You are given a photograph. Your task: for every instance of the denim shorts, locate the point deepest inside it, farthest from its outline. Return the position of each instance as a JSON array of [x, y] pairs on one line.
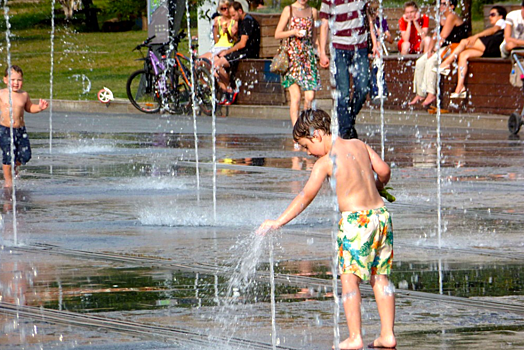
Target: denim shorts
[[22, 148]]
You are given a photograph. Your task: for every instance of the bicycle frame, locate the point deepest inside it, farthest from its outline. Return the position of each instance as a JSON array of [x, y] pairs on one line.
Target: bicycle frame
[[159, 69], [186, 74]]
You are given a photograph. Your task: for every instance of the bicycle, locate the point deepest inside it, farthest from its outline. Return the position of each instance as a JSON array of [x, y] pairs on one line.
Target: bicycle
[[165, 83]]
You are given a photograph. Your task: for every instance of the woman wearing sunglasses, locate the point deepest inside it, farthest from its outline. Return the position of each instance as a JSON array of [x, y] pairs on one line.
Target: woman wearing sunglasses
[[484, 44]]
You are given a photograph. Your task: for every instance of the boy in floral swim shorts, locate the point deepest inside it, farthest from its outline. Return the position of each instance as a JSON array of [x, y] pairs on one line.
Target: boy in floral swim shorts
[[365, 238]]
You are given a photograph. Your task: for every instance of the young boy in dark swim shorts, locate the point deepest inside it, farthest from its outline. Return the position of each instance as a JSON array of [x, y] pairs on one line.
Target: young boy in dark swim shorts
[[13, 104], [365, 239]]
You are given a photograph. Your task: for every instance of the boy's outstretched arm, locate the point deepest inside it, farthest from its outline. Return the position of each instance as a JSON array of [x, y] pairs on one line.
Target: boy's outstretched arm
[[303, 199], [380, 167], [30, 107]]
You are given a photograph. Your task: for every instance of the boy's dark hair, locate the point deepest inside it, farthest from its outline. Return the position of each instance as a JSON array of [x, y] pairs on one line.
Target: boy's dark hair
[[310, 120], [453, 3], [501, 10], [15, 68], [237, 6], [410, 4]]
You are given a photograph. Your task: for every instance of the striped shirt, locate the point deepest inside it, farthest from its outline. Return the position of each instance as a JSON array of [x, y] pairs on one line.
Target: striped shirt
[[348, 29]]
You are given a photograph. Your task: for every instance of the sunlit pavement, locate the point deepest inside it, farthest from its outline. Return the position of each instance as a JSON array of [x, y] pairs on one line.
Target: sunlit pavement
[[120, 243]]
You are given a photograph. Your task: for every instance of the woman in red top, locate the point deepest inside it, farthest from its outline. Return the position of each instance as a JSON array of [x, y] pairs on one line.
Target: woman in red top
[[414, 28]]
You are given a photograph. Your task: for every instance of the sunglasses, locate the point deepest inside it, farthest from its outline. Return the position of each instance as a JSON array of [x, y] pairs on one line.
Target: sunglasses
[[493, 14], [443, 4], [223, 8]]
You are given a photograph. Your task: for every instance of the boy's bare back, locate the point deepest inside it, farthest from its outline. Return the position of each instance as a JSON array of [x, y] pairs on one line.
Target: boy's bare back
[[355, 182]]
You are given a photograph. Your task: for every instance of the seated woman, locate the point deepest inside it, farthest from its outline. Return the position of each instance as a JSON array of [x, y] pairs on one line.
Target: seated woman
[[224, 31], [452, 30], [483, 44]]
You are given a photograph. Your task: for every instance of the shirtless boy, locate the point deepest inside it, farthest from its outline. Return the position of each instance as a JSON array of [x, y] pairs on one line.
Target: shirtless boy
[[20, 102], [365, 237]]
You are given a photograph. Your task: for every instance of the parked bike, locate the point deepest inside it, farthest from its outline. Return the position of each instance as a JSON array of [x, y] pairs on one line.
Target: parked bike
[[165, 81]]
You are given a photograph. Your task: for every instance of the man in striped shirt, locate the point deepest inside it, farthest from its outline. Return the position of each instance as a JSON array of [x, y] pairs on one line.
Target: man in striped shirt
[[346, 19]]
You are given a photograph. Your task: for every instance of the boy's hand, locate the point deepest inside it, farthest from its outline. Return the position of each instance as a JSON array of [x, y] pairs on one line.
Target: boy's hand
[[384, 193], [267, 226], [43, 104]]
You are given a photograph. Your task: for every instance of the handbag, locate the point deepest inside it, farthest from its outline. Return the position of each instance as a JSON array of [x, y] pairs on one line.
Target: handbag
[[515, 76], [280, 63], [446, 51]]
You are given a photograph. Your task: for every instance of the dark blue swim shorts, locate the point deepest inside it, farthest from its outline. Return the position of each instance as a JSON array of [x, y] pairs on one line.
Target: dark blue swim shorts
[[22, 148]]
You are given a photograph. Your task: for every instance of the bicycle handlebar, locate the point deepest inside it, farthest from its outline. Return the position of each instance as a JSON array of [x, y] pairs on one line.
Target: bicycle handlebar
[[146, 43]]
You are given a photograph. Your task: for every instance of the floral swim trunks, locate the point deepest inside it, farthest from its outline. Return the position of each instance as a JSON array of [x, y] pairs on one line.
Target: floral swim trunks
[[365, 243]]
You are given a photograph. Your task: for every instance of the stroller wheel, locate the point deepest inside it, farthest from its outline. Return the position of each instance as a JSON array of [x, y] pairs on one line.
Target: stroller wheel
[[514, 123]]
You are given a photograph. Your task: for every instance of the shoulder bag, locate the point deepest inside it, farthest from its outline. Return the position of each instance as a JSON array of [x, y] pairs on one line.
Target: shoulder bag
[[280, 63]]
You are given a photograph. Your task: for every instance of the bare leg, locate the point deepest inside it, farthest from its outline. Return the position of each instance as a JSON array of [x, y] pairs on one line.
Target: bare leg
[[351, 300], [294, 103], [8, 176], [424, 45], [385, 297], [463, 65], [223, 77], [404, 48], [309, 96], [454, 55]]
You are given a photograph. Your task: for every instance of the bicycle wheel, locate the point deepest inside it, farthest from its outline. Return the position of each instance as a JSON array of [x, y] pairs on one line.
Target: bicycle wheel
[[179, 97], [514, 123], [141, 91], [204, 90]]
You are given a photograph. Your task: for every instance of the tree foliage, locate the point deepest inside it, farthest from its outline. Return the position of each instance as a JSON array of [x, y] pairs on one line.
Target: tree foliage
[[126, 9]]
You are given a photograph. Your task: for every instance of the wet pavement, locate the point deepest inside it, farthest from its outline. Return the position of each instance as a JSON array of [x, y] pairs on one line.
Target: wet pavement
[[126, 239]]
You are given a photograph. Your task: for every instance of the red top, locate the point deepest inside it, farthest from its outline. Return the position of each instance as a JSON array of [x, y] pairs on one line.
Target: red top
[[414, 36]]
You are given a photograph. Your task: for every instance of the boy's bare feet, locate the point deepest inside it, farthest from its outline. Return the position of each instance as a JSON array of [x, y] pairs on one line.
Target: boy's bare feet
[[351, 344], [384, 343], [415, 100]]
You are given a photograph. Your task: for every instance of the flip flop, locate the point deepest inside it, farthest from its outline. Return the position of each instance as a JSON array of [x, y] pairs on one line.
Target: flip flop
[[373, 346]]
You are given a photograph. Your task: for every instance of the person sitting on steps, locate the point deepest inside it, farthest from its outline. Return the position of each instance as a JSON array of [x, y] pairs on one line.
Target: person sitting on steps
[[247, 46], [484, 44]]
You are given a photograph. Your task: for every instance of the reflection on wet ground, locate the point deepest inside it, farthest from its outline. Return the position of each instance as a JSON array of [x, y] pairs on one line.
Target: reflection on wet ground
[[113, 233]]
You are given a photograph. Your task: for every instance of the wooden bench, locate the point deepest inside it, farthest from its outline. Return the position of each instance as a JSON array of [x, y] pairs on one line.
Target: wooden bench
[[487, 82]]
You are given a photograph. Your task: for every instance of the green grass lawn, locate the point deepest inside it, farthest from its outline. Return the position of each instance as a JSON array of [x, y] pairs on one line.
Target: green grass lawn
[[80, 60], [83, 62]]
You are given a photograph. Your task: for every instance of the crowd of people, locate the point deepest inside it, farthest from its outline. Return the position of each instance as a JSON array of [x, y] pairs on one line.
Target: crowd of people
[[237, 36]]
